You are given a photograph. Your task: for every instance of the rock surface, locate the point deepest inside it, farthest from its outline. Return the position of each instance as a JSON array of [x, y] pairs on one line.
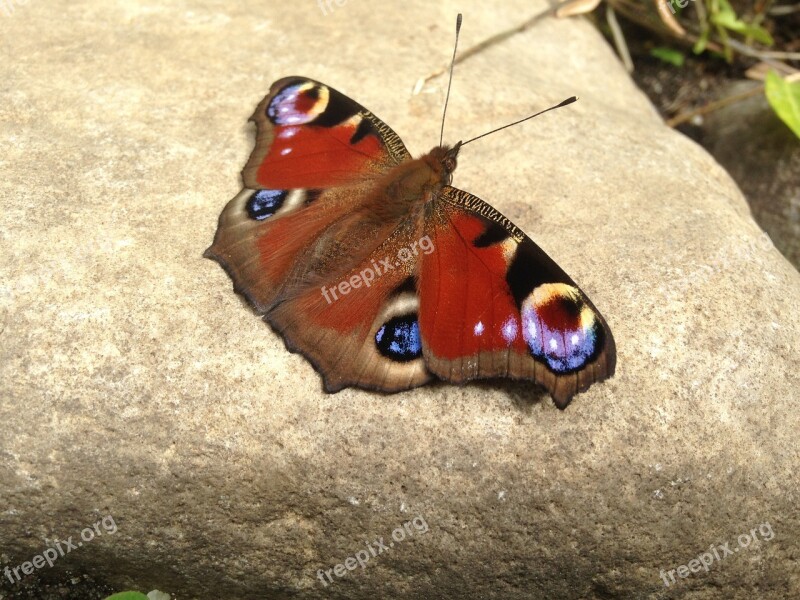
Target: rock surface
[[136, 385], [768, 172]]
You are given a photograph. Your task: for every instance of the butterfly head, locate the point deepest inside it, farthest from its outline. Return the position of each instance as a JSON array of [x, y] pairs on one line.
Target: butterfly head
[[444, 161]]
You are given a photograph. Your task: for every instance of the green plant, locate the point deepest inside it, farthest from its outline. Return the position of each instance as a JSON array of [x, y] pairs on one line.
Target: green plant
[[720, 17], [668, 55], [784, 97]]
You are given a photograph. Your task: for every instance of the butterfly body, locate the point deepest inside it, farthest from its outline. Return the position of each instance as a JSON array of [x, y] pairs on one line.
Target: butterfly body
[[383, 275]]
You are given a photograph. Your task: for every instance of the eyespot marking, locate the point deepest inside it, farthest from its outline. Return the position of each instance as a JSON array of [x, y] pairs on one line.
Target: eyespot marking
[[265, 203], [559, 327], [298, 103], [398, 339]]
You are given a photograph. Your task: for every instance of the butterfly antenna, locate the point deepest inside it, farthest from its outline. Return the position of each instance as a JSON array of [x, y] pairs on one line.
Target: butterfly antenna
[[450, 81], [559, 105]]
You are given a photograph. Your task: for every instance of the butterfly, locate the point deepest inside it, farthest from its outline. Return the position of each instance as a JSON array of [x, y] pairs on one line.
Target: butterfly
[[384, 276]]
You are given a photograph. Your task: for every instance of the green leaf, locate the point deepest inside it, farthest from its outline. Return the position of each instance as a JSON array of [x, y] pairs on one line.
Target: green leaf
[[701, 42], [754, 31], [784, 98], [724, 8], [127, 596], [759, 34], [669, 55], [726, 17]]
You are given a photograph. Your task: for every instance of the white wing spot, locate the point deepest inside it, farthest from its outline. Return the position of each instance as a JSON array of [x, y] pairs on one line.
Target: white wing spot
[[509, 329]]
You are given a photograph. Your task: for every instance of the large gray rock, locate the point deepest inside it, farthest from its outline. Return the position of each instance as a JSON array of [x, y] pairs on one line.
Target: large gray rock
[[768, 172], [136, 385]]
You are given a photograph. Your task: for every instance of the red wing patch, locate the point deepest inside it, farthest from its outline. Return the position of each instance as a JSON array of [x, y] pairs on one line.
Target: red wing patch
[[493, 304], [467, 304], [311, 136]]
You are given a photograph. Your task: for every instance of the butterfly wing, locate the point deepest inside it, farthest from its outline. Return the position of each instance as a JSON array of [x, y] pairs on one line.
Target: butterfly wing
[[317, 153], [361, 328], [309, 135], [313, 224], [285, 238], [493, 304]]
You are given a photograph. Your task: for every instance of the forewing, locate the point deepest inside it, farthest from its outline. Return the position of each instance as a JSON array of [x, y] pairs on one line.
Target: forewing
[[317, 156]]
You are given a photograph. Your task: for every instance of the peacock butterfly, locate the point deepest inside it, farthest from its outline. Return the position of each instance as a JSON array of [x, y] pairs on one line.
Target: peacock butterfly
[[382, 274]]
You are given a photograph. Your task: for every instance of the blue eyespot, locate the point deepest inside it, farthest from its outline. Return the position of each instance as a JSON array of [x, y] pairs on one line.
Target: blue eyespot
[[399, 339], [560, 328], [265, 203], [298, 103]]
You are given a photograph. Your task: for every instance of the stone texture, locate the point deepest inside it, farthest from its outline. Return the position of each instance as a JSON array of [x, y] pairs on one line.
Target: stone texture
[[136, 384], [768, 172]]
